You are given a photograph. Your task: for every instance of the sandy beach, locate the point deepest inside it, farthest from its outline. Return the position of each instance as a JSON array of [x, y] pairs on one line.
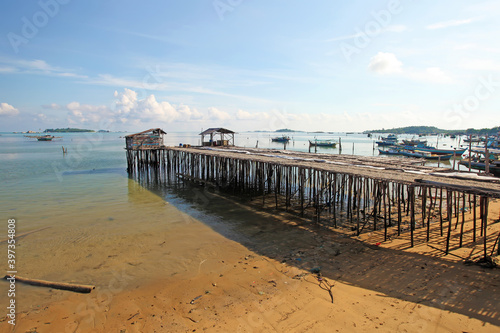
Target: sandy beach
[[282, 274]]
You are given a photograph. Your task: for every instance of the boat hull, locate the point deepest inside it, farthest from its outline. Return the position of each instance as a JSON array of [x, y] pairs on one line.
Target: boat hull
[[457, 152], [493, 168], [323, 144]]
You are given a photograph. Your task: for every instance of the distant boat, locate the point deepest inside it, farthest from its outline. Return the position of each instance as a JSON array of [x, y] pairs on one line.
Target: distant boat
[[283, 138], [43, 137], [323, 143]]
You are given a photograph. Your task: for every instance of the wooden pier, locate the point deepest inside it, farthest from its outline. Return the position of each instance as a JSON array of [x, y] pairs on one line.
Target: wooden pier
[[391, 195]]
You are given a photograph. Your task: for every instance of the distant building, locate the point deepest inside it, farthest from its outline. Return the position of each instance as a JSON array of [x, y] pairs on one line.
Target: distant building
[[217, 137], [150, 139]]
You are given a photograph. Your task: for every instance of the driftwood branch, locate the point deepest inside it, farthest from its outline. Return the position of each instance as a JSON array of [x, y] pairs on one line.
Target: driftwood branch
[[78, 288]]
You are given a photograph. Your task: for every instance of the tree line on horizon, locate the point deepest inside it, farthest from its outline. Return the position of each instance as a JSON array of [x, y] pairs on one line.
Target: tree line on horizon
[[66, 130], [435, 130]]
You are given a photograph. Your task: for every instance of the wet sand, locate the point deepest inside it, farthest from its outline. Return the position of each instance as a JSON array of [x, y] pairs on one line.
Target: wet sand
[[150, 276]]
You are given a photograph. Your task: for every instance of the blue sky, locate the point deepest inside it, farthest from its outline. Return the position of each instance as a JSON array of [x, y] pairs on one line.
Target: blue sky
[[249, 65]]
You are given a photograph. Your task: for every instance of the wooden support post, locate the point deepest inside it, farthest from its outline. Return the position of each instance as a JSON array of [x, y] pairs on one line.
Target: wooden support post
[[399, 194], [334, 194], [485, 223], [429, 215], [384, 194], [301, 190], [424, 204], [375, 203], [441, 211], [412, 212], [463, 220], [474, 226], [359, 191], [449, 212]]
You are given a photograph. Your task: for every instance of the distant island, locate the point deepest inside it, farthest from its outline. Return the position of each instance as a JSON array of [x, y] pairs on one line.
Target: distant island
[[428, 130], [67, 130], [286, 130]]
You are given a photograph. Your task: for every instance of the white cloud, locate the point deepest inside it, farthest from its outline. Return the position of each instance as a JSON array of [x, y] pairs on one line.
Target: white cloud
[[187, 113], [8, 110], [216, 114], [128, 109], [388, 64], [385, 63], [37, 66], [446, 24]]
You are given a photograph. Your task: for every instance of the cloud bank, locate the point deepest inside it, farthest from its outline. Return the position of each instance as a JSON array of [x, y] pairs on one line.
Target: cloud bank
[[8, 110]]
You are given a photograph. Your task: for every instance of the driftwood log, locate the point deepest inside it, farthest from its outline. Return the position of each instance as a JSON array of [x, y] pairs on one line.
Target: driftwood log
[[78, 288]]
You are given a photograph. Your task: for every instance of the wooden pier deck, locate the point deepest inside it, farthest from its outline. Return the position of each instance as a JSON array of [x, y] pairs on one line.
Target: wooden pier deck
[[381, 168], [355, 192]]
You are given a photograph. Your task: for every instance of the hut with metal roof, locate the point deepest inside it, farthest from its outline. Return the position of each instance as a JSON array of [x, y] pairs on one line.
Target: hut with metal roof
[[149, 139], [217, 137]]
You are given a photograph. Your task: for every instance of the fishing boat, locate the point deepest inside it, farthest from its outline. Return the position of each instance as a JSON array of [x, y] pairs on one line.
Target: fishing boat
[[43, 137], [414, 142], [427, 155], [323, 143], [416, 154], [391, 151], [437, 151], [390, 140], [283, 138]]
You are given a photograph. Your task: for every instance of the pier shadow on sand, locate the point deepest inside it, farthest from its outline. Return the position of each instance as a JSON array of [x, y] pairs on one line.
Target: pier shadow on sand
[[390, 271]]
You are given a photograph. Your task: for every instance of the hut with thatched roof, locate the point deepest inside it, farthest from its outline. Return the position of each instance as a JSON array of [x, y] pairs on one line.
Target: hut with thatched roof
[[217, 137]]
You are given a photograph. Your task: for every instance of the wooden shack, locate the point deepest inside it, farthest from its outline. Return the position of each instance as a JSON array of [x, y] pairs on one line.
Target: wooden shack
[[149, 139], [217, 137]]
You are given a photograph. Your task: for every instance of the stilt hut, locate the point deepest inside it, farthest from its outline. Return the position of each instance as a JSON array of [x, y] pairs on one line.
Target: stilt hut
[[217, 137], [149, 139]]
